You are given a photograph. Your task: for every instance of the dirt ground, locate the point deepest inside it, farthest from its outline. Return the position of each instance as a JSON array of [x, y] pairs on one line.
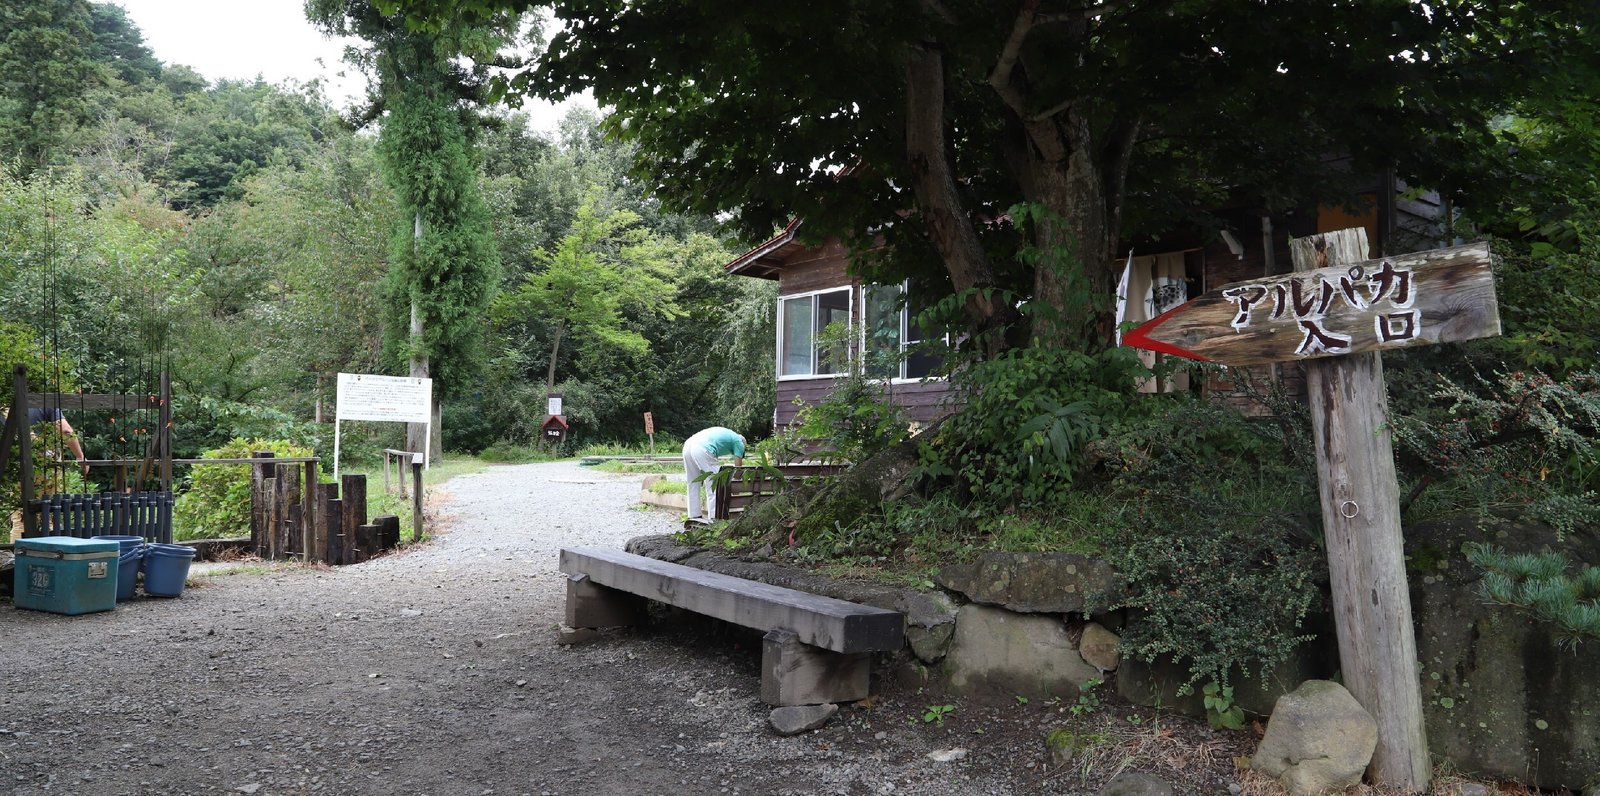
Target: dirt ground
[[439, 670]]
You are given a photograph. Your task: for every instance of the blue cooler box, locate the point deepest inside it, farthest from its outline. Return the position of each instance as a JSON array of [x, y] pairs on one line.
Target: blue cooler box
[[64, 575]]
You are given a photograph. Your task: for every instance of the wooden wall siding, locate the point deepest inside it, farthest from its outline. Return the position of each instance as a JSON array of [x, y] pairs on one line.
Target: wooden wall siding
[[814, 269], [924, 402]]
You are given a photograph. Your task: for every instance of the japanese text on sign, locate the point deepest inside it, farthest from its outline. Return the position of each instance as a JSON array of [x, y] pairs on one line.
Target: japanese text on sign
[[1387, 289], [396, 398]]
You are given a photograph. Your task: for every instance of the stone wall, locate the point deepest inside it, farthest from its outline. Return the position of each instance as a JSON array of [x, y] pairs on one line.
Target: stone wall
[[1502, 698]]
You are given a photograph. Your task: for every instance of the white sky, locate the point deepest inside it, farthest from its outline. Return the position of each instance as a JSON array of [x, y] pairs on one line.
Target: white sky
[[243, 39]]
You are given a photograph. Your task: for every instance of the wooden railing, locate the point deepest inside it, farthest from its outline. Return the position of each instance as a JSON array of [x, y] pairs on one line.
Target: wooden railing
[[753, 484]]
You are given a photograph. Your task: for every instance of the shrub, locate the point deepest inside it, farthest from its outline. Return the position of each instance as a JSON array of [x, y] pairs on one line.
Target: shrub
[[1029, 419], [217, 504], [1213, 526]]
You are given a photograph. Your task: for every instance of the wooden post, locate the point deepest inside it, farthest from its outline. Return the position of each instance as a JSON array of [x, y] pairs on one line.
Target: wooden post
[[269, 519], [385, 471], [1361, 525], [416, 500], [388, 534], [310, 543], [260, 496], [288, 496], [353, 511], [328, 545]]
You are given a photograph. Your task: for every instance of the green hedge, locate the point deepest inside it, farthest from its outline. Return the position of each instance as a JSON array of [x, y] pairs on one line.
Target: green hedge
[[217, 504]]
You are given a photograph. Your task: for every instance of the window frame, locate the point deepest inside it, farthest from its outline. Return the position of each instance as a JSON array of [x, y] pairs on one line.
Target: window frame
[[904, 311], [850, 310]]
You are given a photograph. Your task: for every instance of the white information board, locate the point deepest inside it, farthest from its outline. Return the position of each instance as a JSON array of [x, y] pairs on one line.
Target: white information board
[[363, 396], [552, 406], [398, 399]]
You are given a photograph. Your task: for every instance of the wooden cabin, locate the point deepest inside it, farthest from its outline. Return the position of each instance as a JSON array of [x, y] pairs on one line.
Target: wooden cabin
[[816, 290]]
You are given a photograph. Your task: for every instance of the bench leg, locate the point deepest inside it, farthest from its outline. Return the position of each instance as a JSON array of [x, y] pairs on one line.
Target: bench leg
[[793, 673], [591, 605]]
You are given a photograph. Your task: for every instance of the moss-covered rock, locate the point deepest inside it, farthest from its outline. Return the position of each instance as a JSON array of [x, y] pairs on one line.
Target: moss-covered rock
[[1501, 696]]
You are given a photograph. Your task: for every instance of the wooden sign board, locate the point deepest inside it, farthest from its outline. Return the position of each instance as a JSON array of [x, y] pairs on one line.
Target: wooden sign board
[[1430, 297], [649, 424]]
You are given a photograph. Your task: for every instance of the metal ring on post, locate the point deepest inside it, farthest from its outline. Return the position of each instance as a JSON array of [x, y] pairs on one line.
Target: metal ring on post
[[1349, 509]]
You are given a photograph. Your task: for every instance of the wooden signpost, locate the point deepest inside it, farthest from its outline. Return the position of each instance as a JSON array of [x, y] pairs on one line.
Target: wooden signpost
[[650, 431], [1439, 296], [1339, 311]]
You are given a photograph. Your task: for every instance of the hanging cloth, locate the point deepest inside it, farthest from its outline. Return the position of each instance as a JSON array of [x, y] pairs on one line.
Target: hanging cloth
[[1154, 284]]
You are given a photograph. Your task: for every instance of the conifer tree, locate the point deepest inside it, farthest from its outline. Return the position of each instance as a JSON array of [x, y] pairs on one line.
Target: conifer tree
[[444, 267]]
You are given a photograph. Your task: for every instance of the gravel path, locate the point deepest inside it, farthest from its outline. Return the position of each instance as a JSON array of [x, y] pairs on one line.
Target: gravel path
[[438, 671]]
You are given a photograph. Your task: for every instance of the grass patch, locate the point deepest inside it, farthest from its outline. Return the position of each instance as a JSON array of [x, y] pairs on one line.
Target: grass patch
[[241, 569], [665, 446], [668, 486], [639, 468]]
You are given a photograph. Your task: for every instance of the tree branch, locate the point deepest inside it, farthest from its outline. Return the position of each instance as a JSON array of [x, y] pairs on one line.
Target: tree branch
[[1001, 78]]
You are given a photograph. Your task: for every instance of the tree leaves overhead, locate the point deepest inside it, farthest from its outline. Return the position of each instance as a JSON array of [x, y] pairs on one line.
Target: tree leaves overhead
[[1116, 116]]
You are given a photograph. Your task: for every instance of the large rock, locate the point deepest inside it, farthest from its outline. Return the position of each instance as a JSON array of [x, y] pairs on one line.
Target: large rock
[[1029, 582], [930, 624], [1000, 654], [1501, 697], [1100, 647], [1133, 783], [1318, 739], [797, 719]]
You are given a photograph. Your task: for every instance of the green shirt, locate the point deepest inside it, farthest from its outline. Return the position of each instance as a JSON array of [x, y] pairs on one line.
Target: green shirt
[[720, 441]]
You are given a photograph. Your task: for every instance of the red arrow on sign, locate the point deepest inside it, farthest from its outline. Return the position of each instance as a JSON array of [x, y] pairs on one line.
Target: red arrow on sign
[[1430, 297]]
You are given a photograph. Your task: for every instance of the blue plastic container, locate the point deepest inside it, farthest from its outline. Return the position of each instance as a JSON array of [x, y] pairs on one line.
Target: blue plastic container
[[128, 571], [125, 541], [64, 575], [166, 568]]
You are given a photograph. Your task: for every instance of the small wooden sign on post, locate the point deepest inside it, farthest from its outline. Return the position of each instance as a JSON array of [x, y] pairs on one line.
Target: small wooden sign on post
[[650, 431], [1340, 311]]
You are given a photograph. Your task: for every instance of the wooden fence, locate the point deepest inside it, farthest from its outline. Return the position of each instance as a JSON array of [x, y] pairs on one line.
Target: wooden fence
[[322, 524], [751, 485]]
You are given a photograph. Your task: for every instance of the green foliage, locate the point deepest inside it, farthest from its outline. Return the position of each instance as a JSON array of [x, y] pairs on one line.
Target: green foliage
[[1221, 711], [215, 423], [46, 73], [1541, 585], [854, 421], [217, 504], [1029, 417], [936, 714], [1213, 528], [466, 429], [504, 453], [1548, 305], [1088, 701], [1519, 439]]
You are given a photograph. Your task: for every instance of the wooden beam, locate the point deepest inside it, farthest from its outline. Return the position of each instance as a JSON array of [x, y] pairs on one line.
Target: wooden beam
[[1440, 296], [816, 620], [1361, 526]]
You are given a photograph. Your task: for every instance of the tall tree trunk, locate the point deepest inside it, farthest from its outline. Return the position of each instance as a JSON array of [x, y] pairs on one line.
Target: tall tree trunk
[[1075, 168], [933, 182], [555, 351], [417, 433]]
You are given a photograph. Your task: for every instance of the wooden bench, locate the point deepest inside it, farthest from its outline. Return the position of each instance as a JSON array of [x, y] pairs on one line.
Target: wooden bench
[[816, 649]]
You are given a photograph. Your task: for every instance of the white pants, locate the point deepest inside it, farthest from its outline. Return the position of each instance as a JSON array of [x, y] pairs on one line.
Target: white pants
[[698, 460]]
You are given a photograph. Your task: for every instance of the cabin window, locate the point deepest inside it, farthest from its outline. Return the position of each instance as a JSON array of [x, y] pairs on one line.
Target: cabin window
[[892, 337], [805, 347]]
